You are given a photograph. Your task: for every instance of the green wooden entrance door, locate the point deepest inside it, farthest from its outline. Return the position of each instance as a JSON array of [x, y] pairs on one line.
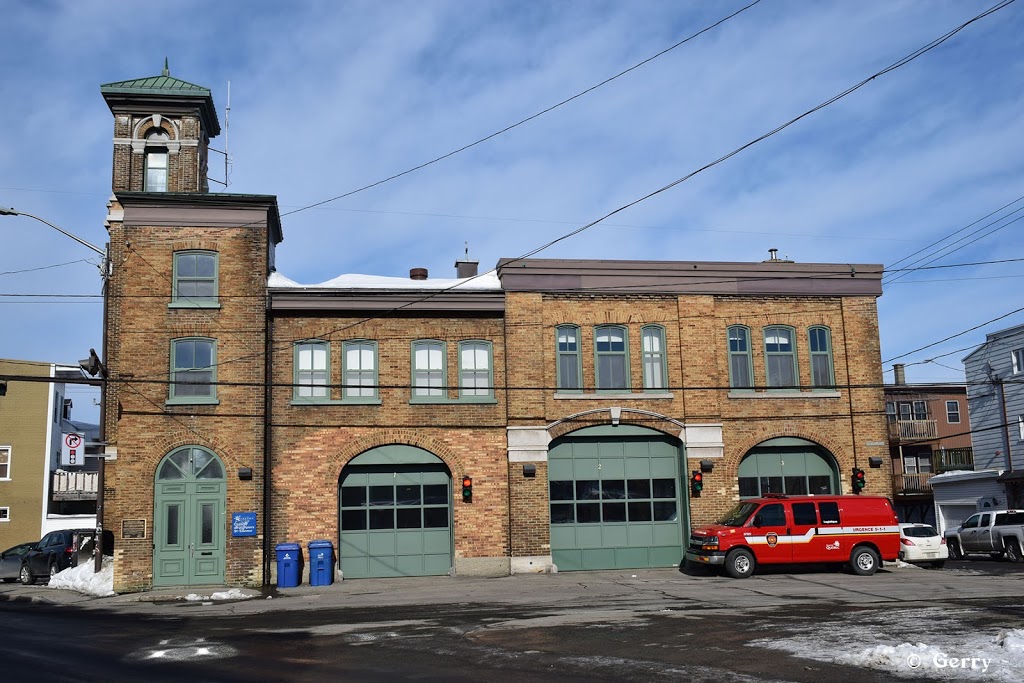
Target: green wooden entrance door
[[616, 499], [188, 532], [395, 514]]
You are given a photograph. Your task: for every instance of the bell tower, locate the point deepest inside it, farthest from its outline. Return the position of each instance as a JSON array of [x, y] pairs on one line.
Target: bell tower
[[162, 131]]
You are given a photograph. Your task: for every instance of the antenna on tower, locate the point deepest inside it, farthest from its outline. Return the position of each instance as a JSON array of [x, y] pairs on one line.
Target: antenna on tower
[[227, 152], [227, 155]]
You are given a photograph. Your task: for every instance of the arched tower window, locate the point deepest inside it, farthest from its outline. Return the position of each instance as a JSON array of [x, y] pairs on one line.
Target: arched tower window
[[156, 161]]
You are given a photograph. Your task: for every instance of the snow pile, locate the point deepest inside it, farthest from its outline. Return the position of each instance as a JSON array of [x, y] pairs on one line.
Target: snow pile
[[998, 658], [232, 594], [946, 645], [84, 579]]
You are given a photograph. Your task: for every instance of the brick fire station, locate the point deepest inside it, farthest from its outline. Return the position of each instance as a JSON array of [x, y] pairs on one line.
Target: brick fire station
[[547, 415]]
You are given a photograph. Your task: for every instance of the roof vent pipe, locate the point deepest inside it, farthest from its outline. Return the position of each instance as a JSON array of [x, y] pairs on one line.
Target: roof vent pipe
[[417, 273], [773, 254]]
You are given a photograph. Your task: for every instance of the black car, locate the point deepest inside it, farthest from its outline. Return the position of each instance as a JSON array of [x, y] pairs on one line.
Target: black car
[[10, 561], [57, 551]]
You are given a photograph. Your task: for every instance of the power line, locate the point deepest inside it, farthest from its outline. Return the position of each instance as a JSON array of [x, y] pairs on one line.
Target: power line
[[528, 118], [55, 265], [953, 336]]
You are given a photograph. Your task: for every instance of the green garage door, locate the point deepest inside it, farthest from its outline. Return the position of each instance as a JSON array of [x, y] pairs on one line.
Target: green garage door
[[395, 519], [616, 499]]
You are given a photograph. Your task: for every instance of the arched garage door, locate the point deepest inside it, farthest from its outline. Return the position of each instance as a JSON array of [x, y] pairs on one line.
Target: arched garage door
[[788, 465], [616, 499], [395, 512]]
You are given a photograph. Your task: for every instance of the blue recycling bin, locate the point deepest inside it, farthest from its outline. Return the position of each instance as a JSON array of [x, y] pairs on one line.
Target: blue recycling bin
[[289, 564], [321, 563]]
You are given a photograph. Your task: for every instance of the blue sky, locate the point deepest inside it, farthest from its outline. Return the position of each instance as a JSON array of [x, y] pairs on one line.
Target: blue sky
[[327, 97]]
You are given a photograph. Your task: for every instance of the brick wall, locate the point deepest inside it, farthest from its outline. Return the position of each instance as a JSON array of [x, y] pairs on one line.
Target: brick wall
[[313, 442], [141, 426]]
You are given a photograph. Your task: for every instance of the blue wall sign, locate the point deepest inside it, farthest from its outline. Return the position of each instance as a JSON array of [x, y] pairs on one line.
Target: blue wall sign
[[243, 523]]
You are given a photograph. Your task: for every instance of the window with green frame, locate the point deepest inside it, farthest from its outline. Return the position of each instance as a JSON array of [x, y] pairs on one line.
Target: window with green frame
[[611, 358], [567, 341], [780, 356], [652, 341], [359, 370], [312, 373], [193, 370], [741, 375], [476, 378], [820, 345], [194, 281], [429, 368]]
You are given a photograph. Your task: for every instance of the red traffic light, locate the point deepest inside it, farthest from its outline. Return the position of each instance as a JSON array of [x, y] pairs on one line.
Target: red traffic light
[[467, 481]]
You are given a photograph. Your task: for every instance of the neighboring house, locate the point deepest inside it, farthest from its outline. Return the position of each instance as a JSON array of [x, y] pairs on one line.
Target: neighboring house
[[929, 433], [546, 415], [34, 486], [995, 381]]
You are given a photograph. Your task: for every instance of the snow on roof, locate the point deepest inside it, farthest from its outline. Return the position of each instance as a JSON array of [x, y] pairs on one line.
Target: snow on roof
[[954, 475], [487, 281]]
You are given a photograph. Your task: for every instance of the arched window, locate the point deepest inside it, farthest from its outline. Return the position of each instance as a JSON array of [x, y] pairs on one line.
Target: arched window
[[780, 357], [156, 161], [611, 358], [788, 465], [567, 339], [741, 375], [819, 341], [190, 462], [652, 340]]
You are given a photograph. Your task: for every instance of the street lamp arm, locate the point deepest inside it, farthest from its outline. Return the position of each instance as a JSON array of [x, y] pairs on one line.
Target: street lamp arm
[[12, 212]]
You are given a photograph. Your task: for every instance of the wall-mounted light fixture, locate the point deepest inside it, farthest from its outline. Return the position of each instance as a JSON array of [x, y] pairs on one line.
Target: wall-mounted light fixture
[[529, 469], [245, 473], [707, 465], [875, 461]]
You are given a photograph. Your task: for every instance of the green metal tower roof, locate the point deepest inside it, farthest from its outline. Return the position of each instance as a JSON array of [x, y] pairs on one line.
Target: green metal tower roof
[[164, 84], [165, 89]]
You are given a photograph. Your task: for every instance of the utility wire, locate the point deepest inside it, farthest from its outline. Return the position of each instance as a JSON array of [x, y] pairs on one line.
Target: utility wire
[[528, 118]]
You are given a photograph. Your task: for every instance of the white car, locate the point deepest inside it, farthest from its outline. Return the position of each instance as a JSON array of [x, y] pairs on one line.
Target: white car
[[922, 544]]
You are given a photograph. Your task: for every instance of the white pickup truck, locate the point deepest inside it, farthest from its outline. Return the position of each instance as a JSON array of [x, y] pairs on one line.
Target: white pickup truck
[[995, 532]]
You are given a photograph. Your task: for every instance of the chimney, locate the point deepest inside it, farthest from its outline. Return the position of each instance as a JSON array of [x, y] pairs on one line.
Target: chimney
[[900, 376], [417, 273], [464, 269]]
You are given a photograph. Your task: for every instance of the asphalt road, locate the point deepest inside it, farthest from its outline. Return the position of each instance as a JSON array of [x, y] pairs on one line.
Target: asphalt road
[[593, 626]]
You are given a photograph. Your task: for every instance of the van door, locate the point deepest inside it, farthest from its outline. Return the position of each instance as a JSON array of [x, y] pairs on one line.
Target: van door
[[768, 534], [805, 542]]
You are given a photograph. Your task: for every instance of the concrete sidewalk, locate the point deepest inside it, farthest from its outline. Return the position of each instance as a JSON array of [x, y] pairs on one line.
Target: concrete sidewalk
[[625, 589]]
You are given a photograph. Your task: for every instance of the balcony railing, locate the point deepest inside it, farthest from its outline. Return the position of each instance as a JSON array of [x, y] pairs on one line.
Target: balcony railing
[[913, 483], [913, 430], [73, 485], [952, 459]]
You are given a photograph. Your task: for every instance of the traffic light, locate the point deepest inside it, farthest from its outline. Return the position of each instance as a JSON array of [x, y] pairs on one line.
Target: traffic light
[[467, 489], [858, 480], [696, 483]]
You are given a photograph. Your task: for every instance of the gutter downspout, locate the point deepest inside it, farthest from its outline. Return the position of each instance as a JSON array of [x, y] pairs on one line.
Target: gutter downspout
[[268, 328]]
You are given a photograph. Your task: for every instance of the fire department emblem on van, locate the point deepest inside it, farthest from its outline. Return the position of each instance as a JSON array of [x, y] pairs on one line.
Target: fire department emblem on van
[[772, 539]]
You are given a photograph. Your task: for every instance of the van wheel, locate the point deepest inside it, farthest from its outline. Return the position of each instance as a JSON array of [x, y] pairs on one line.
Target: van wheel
[[1013, 551], [864, 561], [954, 551], [26, 576], [739, 564]]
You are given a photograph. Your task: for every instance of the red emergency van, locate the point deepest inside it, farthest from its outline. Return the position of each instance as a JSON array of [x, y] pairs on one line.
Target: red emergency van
[[780, 529]]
